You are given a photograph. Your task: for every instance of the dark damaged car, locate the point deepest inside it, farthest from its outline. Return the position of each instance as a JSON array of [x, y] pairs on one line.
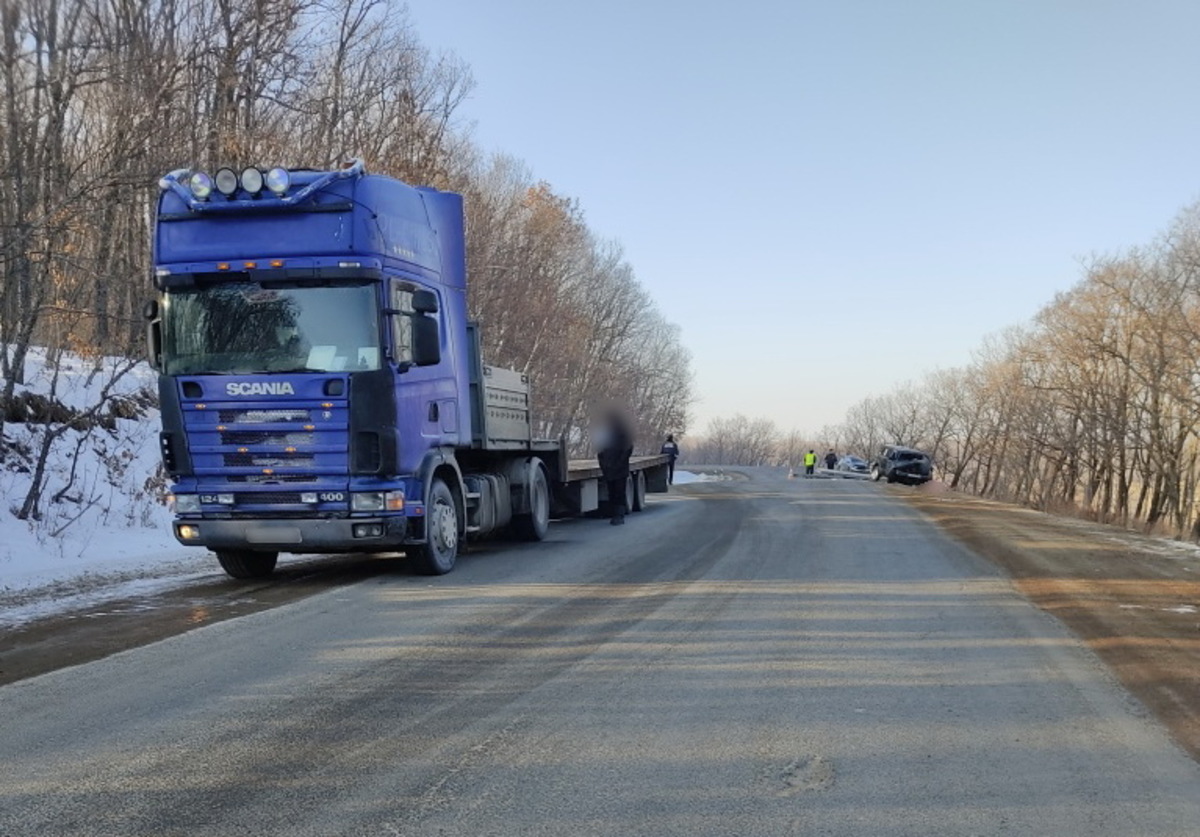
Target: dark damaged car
[[900, 464]]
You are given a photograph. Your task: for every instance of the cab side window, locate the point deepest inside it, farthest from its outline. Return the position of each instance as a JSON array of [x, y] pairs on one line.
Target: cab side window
[[402, 326]]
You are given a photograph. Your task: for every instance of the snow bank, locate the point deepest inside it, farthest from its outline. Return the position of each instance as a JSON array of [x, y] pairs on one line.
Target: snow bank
[[685, 477], [103, 517]]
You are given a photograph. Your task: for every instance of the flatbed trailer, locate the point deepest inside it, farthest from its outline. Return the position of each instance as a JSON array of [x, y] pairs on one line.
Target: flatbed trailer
[[583, 490]]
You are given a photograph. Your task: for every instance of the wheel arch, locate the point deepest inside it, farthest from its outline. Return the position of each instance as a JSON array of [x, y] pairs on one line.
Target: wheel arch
[[441, 463]]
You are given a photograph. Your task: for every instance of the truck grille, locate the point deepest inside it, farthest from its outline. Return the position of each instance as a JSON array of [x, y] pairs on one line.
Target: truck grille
[[267, 498], [274, 479], [265, 443], [298, 415], [268, 460], [263, 437]]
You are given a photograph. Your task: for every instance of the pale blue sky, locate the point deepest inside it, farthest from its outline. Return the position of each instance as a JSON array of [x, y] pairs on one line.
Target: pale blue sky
[[832, 198]]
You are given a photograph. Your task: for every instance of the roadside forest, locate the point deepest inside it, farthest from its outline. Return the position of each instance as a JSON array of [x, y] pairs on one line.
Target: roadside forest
[[1093, 408], [102, 97]]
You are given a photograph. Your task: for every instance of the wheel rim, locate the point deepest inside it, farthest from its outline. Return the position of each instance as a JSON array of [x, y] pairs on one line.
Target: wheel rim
[[445, 528]]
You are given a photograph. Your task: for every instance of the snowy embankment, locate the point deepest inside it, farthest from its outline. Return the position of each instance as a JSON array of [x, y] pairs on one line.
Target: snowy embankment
[[102, 528], [685, 477]]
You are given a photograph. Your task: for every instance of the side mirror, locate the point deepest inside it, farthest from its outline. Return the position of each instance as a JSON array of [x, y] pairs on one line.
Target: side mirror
[[154, 344], [425, 302], [426, 341], [154, 338]]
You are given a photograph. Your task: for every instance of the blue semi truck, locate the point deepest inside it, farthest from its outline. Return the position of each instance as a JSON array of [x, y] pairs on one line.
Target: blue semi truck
[[322, 388]]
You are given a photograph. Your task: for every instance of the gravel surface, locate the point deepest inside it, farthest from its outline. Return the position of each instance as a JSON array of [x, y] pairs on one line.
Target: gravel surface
[[751, 657]]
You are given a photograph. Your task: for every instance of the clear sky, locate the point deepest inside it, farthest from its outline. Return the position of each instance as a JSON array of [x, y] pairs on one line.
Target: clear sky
[[832, 198]]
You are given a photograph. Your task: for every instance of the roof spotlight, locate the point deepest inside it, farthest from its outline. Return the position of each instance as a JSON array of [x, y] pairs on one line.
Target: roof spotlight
[[227, 182], [252, 180], [200, 184], [278, 180]]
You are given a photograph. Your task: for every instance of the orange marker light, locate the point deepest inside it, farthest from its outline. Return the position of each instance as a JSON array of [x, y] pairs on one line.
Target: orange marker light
[[243, 450], [222, 265], [221, 427], [289, 450], [310, 427], [201, 406], [276, 262], [250, 265], [327, 405], [267, 471]]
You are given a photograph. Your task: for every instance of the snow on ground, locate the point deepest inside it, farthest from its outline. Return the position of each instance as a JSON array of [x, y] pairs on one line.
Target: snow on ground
[[103, 524], [685, 477]]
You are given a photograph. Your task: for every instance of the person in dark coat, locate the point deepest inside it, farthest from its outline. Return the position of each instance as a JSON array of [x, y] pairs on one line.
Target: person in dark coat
[[830, 460], [615, 449], [670, 449]]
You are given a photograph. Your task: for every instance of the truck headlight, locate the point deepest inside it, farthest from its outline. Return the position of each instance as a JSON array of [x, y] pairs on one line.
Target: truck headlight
[[367, 501], [186, 504], [225, 499]]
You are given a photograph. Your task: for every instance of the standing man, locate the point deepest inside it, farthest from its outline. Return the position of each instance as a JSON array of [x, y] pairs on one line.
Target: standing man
[[830, 460], [670, 449], [613, 456], [810, 462]]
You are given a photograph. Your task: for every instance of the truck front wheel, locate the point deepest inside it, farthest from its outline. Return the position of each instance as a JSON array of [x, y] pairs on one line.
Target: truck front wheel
[[243, 563], [437, 555]]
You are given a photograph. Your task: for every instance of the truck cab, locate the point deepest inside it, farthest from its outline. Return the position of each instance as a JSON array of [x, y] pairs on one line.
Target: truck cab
[[312, 341]]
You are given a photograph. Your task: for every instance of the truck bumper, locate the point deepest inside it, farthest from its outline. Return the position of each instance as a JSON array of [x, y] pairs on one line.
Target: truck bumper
[[276, 535]]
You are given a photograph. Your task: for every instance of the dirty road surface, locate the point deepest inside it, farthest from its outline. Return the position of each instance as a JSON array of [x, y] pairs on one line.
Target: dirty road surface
[[752, 657], [1134, 600]]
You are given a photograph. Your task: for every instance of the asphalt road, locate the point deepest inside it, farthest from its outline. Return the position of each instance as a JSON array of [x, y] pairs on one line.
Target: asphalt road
[[760, 657]]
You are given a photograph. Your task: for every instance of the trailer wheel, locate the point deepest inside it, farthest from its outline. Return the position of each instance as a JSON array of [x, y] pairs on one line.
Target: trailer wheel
[[437, 555], [639, 491], [245, 563], [533, 526]]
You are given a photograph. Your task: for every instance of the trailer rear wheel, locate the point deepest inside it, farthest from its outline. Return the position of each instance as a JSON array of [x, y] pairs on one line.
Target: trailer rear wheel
[[244, 563], [437, 555], [533, 526], [639, 491]]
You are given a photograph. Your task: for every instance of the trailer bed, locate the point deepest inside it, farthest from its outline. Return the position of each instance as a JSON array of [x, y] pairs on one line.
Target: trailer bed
[[586, 469]]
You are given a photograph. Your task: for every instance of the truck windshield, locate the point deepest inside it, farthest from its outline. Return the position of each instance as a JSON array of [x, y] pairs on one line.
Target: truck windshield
[[245, 328]]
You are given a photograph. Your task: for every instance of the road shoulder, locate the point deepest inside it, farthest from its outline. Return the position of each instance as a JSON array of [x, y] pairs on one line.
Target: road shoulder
[[1134, 600]]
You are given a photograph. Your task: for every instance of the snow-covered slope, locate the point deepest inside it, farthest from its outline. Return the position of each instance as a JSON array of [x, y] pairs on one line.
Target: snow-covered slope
[[103, 521]]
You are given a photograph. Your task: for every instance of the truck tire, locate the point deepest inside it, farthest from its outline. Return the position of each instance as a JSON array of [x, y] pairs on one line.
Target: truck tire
[[639, 491], [437, 555], [533, 526], [875, 474], [245, 563]]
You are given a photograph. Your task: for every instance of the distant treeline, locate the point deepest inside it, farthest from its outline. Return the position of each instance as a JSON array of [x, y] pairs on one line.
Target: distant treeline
[[1092, 409], [102, 97]]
